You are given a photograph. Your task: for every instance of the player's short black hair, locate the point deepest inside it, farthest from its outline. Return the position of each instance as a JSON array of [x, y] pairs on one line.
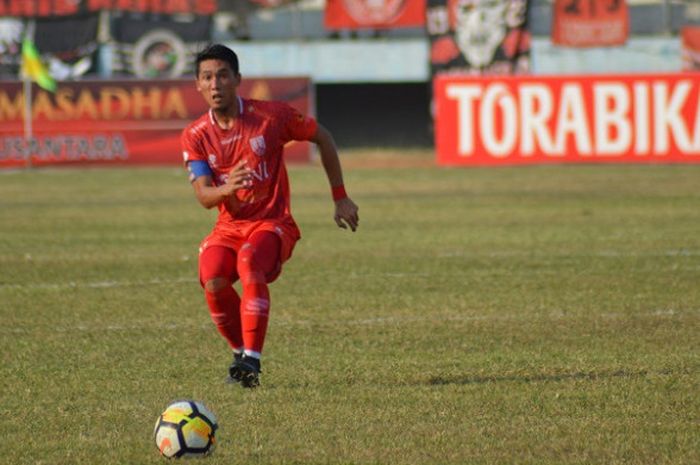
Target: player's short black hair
[[217, 52]]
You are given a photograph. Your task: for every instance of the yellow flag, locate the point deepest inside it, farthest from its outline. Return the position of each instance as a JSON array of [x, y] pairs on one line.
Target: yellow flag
[[34, 68]]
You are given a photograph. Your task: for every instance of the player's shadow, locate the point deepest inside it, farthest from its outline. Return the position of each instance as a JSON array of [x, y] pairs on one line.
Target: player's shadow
[[538, 378]]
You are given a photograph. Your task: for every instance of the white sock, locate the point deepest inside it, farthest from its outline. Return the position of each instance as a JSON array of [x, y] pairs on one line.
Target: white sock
[[252, 353]]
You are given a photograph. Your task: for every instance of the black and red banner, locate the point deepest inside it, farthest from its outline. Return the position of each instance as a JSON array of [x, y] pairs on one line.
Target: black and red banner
[[590, 23], [53, 8], [68, 44], [376, 14], [157, 46], [151, 38], [478, 36], [122, 122]]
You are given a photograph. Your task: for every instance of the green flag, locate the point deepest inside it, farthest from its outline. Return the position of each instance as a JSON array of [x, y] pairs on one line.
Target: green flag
[[33, 68]]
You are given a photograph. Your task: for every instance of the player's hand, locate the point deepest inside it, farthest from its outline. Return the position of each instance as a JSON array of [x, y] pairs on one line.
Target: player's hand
[[240, 177], [346, 214]]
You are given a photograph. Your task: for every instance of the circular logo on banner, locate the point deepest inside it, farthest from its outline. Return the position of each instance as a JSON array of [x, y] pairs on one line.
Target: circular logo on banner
[[374, 11], [160, 53]]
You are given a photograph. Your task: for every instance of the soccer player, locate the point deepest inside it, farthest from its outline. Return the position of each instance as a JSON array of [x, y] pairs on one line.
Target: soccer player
[[234, 156]]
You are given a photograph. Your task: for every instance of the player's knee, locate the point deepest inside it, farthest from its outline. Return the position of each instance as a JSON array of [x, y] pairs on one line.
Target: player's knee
[[247, 260], [215, 285], [249, 268]]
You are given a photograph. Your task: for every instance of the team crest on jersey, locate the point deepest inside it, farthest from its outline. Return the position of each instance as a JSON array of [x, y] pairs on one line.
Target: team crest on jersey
[[257, 143], [212, 159]]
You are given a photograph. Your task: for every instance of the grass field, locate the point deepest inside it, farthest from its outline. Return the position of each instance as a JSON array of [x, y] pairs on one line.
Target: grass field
[[534, 315]]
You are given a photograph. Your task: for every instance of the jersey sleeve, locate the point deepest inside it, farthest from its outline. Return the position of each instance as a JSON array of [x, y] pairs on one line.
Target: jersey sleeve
[[193, 156], [191, 146], [298, 126]]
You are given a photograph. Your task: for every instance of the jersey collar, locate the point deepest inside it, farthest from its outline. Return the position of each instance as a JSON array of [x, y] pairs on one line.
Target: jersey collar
[[212, 119]]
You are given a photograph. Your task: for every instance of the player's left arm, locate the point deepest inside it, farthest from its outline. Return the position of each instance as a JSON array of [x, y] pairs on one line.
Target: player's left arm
[[346, 212]]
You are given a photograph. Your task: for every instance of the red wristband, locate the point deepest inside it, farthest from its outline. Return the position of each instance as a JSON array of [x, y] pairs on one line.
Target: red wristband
[[338, 193]]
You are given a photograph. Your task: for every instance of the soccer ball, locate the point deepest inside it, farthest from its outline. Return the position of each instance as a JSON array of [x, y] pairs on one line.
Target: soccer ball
[[186, 429]]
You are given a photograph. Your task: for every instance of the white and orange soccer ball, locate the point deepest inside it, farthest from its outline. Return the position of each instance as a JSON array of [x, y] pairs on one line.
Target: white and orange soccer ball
[[186, 429]]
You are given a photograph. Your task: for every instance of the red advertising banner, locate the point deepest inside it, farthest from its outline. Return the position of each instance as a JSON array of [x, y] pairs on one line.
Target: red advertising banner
[[590, 23], [579, 119], [34, 8], [381, 14], [122, 122], [690, 36]]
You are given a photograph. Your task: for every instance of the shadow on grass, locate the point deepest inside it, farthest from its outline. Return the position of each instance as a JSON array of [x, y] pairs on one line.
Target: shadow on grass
[[511, 378], [535, 378]]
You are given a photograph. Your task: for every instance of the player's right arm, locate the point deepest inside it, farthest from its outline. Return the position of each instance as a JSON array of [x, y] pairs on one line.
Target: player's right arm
[[210, 195]]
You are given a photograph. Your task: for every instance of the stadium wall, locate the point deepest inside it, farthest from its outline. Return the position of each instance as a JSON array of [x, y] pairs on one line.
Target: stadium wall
[[406, 60]]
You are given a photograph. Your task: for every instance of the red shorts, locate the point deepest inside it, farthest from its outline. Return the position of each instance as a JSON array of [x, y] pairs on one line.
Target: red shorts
[[234, 236]]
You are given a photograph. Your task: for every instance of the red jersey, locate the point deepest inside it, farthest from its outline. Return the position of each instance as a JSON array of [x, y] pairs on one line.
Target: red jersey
[[257, 136]]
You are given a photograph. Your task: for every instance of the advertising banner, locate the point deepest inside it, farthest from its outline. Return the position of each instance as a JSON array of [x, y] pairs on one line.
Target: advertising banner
[[122, 122], [478, 37], [379, 14], [590, 23], [690, 37], [577, 119], [53, 8]]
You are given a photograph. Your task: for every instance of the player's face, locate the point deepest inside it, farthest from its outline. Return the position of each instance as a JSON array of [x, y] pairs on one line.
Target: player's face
[[217, 83]]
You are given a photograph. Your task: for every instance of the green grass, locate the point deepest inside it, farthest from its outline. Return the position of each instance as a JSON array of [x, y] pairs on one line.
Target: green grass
[[531, 315]]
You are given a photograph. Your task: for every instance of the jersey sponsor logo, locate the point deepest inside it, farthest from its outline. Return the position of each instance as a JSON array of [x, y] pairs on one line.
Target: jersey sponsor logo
[[257, 143], [230, 139], [260, 172]]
